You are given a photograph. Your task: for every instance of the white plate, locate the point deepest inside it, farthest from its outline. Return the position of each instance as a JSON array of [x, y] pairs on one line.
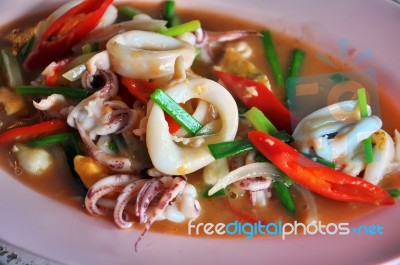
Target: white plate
[[34, 223]]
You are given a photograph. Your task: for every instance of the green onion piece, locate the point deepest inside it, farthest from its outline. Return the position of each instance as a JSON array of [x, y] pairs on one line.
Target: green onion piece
[[112, 145], [283, 136], [297, 62], [363, 105], [129, 12], [186, 120], [47, 90], [321, 160], [76, 140], [260, 157], [230, 148], [259, 121], [219, 193], [242, 110], [72, 150], [169, 13], [174, 21], [287, 181], [197, 51], [75, 73], [269, 49], [210, 128], [11, 68], [182, 28], [27, 48], [294, 70], [90, 47], [284, 195], [168, 9], [51, 139], [395, 193]]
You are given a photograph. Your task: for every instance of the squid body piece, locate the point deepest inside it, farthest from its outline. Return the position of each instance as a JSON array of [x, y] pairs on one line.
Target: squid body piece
[[147, 55], [171, 158]]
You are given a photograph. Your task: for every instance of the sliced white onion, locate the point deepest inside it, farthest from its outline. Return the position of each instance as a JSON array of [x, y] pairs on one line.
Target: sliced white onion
[[259, 169], [215, 171]]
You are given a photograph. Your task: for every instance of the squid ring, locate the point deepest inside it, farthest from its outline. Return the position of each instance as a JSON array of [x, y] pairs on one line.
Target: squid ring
[[147, 55], [170, 158]]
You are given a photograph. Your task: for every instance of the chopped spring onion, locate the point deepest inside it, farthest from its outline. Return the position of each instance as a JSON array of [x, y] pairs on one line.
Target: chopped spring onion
[[283, 136], [11, 68], [182, 28], [230, 148], [294, 70], [75, 73], [129, 11], [242, 110], [284, 195], [395, 193], [112, 145], [169, 13], [51, 139], [321, 160], [297, 62], [221, 192], [71, 151], [27, 48], [260, 157], [178, 113], [90, 47], [269, 49], [47, 90], [259, 121], [363, 105]]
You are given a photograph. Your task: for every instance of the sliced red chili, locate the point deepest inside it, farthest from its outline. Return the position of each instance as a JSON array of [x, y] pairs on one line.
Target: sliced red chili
[[254, 94], [65, 32], [316, 177]]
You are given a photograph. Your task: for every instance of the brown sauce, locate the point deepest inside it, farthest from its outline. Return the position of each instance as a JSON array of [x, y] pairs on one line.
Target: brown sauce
[[59, 185]]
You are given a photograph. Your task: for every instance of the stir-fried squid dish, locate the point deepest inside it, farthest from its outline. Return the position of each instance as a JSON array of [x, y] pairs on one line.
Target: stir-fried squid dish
[[162, 119]]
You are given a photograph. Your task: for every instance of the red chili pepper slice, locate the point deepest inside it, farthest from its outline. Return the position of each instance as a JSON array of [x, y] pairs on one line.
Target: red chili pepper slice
[[65, 32], [51, 79], [26, 133], [140, 89], [255, 94], [316, 177]]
